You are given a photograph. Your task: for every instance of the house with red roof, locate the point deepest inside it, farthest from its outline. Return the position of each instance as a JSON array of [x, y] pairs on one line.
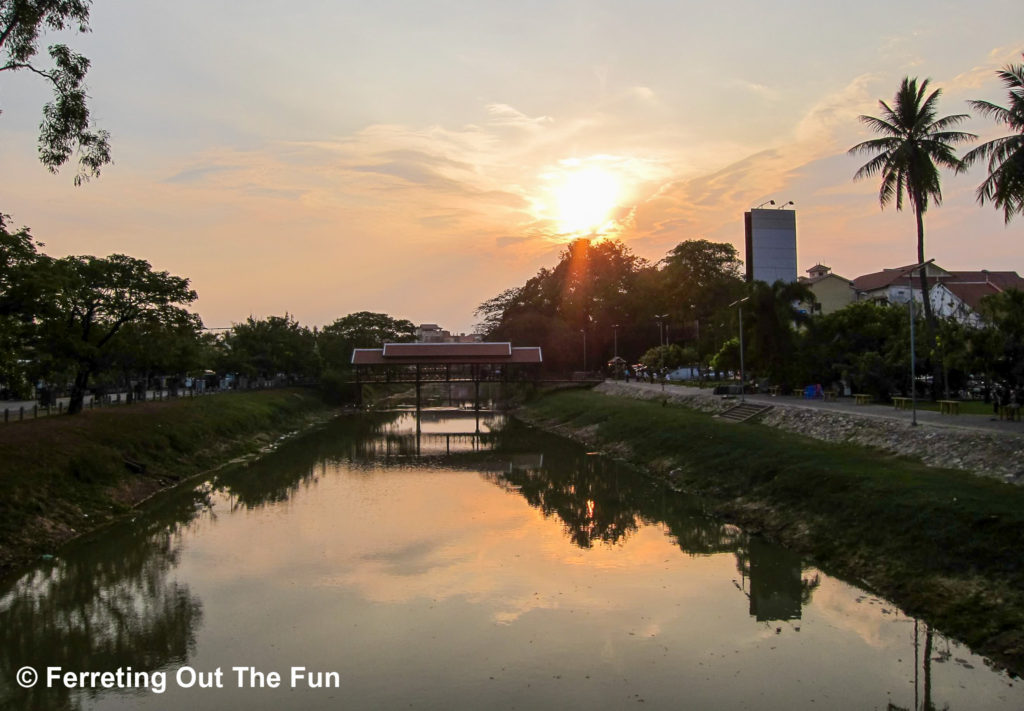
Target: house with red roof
[[955, 294]]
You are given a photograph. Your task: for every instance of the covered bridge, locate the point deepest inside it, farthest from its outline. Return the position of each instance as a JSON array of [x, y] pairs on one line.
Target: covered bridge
[[446, 363]]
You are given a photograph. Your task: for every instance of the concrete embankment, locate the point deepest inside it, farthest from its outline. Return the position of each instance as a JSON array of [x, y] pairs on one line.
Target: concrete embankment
[[969, 443], [941, 543]]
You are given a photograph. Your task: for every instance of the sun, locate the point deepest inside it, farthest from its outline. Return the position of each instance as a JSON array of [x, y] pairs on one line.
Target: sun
[[584, 199]]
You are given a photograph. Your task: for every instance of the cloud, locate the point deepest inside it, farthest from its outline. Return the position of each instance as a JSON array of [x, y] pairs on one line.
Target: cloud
[[198, 174], [505, 115], [983, 75]]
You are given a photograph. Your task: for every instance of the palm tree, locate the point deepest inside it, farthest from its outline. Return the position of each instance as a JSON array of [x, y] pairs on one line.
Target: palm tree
[[912, 142], [1005, 183]]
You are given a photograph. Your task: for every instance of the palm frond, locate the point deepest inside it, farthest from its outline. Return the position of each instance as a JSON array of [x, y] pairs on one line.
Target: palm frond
[[1004, 185], [913, 142], [990, 110]]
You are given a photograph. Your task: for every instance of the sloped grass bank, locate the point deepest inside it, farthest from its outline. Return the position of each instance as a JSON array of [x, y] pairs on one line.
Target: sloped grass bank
[[942, 544], [63, 476]]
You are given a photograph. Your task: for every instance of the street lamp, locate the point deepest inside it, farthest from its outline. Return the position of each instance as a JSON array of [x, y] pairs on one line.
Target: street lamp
[[584, 332], [615, 330], [661, 327], [913, 367], [743, 380]]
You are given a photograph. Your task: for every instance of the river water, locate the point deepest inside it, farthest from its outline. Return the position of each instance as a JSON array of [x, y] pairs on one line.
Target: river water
[[457, 561]]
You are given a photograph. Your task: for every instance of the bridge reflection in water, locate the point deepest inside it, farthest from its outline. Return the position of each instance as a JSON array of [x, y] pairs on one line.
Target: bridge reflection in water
[[600, 500], [395, 525]]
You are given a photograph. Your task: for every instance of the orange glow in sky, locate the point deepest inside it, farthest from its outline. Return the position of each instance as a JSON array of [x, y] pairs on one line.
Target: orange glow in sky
[[585, 200], [417, 159]]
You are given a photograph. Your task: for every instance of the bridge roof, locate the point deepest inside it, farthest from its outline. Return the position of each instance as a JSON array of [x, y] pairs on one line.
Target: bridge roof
[[446, 354]]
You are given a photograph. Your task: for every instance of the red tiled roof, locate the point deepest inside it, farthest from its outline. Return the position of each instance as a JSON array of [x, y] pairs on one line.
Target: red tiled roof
[[446, 350], [879, 280], [888, 277], [442, 353], [1002, 280], [972, 294]]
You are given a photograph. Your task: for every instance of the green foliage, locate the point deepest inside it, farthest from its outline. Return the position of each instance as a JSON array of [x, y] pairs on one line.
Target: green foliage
[[66, 128], [1004, 186], [92, 299], [999, 347], [770, 319], [863, 345], [913, 141], [360, 330], [20, 302], [268, 347], [728, 357], [614, 297], [670, 356]]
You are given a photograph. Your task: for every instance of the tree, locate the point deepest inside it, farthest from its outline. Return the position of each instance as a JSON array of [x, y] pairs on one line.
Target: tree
[[93, 299], [864, 345], [913, 141], [1004, 186], [272, 346], [66, 128], [363, 329], [597, 288], [20, 300], [699, 279], [771, 314], [659, 357], [1000, 344]]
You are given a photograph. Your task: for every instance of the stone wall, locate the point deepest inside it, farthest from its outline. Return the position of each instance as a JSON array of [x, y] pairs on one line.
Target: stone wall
[[997, 454]]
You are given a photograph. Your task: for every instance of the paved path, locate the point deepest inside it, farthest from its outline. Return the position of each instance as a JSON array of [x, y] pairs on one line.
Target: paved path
[[983, 423], [13, 410]]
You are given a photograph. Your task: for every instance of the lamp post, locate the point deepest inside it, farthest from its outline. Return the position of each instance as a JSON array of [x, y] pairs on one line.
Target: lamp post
[[584, 332], [913, 365], [743, 379], [615, 331], [661, 327]]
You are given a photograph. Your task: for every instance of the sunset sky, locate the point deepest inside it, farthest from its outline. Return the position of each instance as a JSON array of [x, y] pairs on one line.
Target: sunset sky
[[323, 156]]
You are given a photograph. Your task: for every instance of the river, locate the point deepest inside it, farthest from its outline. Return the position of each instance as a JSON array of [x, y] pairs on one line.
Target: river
[[457, 561]]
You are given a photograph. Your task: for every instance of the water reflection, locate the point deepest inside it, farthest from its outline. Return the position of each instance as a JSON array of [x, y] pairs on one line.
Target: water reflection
[[109, 602], [386, 541]]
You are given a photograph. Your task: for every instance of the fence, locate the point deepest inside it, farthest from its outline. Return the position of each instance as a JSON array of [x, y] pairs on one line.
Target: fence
[[33, 411]]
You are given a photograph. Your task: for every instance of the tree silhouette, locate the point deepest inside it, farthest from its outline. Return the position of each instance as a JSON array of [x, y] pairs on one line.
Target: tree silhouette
[[913, 145], [1004, 186]]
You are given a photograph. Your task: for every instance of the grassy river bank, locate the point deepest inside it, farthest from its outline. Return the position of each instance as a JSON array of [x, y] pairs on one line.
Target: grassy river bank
[[61, 477], [943, 544]]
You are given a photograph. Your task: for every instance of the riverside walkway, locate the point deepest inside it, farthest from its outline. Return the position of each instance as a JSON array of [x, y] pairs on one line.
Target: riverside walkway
[[981, 423]]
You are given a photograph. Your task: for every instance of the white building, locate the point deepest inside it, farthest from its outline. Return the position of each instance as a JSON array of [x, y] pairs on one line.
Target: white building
[[771, 245], [952, 294]]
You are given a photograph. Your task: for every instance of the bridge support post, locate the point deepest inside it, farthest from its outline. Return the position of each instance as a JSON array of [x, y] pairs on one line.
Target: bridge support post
[[476, 388], [417, 393]]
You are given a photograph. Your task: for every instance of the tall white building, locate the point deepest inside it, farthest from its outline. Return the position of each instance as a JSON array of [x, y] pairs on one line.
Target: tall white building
[[771, 245]]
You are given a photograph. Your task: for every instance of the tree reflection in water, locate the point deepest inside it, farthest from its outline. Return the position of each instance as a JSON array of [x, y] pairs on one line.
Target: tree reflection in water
[[109, 603], [600, 500]]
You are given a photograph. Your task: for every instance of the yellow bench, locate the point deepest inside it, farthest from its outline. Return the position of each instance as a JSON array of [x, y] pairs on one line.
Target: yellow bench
[[862, 398], [1009, 412], [949, 407], [900, 403]]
